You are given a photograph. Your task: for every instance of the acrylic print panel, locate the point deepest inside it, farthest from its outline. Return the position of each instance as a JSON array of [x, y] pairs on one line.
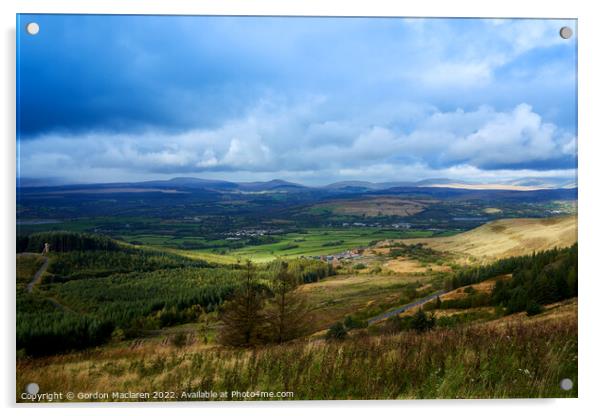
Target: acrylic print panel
[[287, 208]]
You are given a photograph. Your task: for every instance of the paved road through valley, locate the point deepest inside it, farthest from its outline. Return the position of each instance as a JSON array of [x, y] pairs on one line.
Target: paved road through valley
[[404, 308]]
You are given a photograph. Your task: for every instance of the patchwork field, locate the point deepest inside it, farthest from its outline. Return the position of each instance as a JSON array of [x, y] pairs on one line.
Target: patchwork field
[[377, 207], [316, 242]]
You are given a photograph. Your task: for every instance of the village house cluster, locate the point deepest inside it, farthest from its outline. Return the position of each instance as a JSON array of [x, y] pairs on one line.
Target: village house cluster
[[352, 254], [399, 225], [251, 232]]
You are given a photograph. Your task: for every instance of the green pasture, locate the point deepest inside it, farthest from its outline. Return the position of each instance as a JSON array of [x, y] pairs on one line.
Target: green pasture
[[320, 241]]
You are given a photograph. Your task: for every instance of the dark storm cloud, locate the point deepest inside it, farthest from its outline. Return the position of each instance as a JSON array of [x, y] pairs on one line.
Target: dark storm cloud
[[274, 97]]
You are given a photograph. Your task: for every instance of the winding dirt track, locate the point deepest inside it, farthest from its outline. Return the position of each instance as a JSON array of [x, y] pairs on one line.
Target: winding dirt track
[[38, 276]]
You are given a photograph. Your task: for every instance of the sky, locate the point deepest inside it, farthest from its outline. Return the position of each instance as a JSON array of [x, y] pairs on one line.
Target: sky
[[310, 100]]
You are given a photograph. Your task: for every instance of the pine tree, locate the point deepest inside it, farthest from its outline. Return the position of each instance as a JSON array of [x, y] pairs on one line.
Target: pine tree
[[286, 313], [242, 317]]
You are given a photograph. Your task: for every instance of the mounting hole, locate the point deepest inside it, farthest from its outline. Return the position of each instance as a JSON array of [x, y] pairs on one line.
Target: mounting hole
[[566, 32], [566, 384], [32, 388], [32, 28]]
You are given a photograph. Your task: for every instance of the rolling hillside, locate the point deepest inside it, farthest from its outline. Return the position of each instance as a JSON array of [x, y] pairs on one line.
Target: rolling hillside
[[508, 237]]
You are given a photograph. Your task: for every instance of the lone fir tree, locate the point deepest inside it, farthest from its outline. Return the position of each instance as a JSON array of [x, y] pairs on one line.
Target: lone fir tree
[[286, 312], [242, 317]]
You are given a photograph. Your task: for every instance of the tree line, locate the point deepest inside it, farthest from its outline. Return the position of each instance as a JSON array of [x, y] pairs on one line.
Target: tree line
[[63, 241], [548, 277], [129, 303], [91, 264], [112, 289], [510, 265], [538, 279], [131, 291]]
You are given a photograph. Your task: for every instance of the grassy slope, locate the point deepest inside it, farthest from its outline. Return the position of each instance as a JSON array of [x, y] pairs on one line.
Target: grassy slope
[[498, 359], [508, 237], [27, 265], [195, 254], [301, 365], [370, 294]]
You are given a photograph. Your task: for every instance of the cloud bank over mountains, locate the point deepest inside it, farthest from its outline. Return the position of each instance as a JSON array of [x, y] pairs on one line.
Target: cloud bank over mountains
[[309, 100]]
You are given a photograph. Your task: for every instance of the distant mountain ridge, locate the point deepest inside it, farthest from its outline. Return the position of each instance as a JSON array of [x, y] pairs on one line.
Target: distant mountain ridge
[[279, 185]]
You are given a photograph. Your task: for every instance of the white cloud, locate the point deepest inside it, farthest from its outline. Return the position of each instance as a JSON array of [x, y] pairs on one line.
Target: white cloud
[[510, 138], [280, 141], [447, 56]]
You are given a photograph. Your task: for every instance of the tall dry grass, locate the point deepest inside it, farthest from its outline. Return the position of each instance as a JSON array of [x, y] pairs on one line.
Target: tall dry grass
[[488, 361]]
